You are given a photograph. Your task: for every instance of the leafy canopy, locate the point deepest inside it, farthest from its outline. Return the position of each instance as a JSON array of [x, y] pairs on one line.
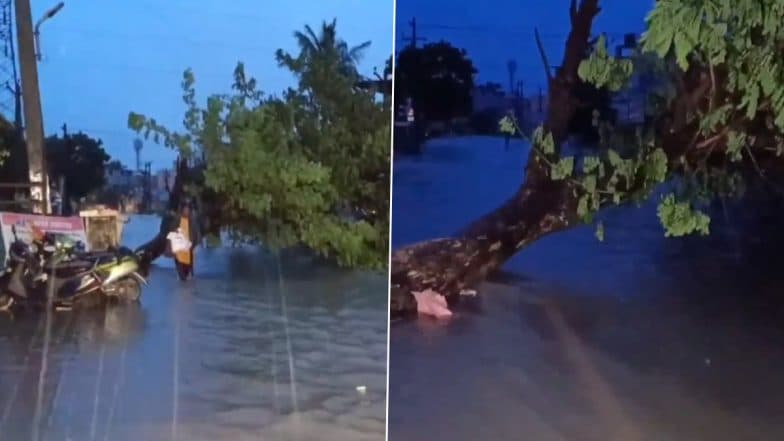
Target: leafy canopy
[[736, 45], [309, 167], [438, 77], [7, 140], [80, 159]]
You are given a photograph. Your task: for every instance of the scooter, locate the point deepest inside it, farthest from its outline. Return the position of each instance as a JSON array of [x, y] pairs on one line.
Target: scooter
[[51, 267]]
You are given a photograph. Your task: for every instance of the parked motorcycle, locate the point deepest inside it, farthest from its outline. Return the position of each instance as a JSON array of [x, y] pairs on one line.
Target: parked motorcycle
[[57, 267]]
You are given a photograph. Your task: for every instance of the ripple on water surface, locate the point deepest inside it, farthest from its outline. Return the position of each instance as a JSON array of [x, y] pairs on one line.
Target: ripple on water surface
[[215, 358]]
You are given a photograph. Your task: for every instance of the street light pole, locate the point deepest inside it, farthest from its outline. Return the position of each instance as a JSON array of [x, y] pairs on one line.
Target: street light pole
[[31, 99], [37, 32]]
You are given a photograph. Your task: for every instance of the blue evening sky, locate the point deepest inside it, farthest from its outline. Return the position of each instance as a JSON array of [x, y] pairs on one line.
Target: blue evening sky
[[102, 59], [494, 31]]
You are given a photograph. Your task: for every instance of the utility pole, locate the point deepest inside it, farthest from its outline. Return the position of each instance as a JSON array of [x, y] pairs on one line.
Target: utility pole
[[412, 41], [64, 206], [541, 99], [31, 98], [413, 33]]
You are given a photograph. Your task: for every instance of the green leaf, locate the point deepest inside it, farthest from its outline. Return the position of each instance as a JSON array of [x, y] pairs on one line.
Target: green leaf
[[712, 120], [736, 141], [548, 144], [589, 183], [591, 163], [614, 158], [751, 100], [680, 219], [585, 71], [656, 168], [582, 206], [507, 126], [663, 41], [562, 169], [683, 48]]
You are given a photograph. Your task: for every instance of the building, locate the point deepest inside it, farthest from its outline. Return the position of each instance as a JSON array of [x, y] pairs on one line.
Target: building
[[489, 98], [118, 176]]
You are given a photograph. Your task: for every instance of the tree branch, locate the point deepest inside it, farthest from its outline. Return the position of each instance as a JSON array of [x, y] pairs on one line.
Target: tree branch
[[573, 12], [547, 69]]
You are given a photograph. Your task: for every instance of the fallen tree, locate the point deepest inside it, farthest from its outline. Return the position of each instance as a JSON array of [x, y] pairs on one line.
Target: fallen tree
[[306, 168], [721, 108]]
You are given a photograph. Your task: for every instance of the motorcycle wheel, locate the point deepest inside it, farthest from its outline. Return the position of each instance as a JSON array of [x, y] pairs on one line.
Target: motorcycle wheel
[[127, 290]]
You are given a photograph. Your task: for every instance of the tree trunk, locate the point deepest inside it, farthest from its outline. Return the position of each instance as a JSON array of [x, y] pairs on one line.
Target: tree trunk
[[155, 247], [450, 266], [541, 206]]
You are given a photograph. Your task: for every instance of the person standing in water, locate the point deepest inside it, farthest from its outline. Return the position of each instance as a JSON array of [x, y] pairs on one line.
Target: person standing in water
[[187, 225], [508, 136]]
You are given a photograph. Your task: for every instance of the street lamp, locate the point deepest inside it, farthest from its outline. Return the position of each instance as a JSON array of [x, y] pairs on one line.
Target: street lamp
[[47, 15]]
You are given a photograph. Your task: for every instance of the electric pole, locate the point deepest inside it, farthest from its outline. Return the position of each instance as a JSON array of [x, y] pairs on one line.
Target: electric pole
[[413, 33], [412, 41], [31, 99]]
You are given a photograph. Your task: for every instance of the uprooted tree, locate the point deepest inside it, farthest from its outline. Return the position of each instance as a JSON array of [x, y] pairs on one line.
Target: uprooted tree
[[720, 112], [307, 168]]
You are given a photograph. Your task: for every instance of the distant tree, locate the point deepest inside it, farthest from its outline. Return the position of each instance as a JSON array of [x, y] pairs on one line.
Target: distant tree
[[492, 87], [80, 159], [115, 166], [388, 67], [8, 138], [438, 77], [327, 47], [310, 167], [13, 158]]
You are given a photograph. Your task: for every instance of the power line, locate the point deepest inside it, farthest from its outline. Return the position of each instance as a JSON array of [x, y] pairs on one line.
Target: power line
[[504, 30], [163, 38], [230, 15], [489, 32], [125, 67]]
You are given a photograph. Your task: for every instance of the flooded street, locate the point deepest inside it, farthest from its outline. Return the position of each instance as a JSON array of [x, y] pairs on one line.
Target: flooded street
[[636, 338], [252, 348]]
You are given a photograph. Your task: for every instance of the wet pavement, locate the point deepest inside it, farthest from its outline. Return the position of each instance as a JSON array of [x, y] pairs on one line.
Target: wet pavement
[[247, 350], [636, 338]]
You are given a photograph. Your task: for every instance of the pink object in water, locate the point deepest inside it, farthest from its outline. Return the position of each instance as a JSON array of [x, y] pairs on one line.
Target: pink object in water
[[432, 303]]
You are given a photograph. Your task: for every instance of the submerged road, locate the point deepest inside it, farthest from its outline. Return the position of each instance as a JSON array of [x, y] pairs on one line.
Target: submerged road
[[636, 338], [243, 351]]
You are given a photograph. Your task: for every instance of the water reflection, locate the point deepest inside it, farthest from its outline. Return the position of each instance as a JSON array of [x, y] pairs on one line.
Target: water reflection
[[639, 337], [214, 358]]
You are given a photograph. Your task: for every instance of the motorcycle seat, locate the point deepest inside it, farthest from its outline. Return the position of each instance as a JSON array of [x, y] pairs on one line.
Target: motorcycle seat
[[72, 268]]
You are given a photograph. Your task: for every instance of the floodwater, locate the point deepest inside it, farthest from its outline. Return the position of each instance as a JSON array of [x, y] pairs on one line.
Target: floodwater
[[636, 338], [245, 351]]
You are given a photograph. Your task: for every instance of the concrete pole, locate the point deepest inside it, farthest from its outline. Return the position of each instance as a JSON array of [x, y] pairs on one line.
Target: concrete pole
[[31, 100]]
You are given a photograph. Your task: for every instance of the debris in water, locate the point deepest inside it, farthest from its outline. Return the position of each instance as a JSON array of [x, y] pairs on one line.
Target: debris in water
[[362, 390], [432, 303]]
